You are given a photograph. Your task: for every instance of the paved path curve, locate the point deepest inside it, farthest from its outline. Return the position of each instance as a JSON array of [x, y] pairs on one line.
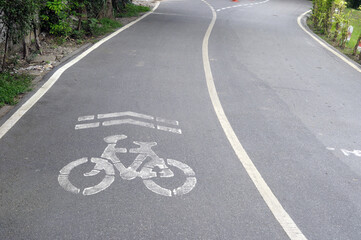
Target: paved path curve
[[143, 95]]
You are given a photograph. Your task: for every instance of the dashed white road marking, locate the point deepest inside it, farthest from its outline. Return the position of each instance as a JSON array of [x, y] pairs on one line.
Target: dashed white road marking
[[126, 114], [122, 114], [270, 199], [242, 5], [355, 152], [347, 153], [169, 129], [87, 125], [128, 121], [86, 118], [163, 120], [323, 44], [54, 78]]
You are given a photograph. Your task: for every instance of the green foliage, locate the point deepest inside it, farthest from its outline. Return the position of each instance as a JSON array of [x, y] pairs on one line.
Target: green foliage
[[11, 86], [60, 40], [60, 7], [330, 15], [103, 26], [322, 14], [58, 17], [16, 17], [332, 22], [353, 3], [94, 7], [78, 34], [341, 22], [355, 21], [63, 19], [132, 10]]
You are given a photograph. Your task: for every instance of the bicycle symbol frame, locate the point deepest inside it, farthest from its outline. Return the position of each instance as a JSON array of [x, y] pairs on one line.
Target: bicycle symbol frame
[[109, 161]]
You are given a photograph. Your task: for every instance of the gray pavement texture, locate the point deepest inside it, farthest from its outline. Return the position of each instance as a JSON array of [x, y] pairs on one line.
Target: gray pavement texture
[[287, 98]]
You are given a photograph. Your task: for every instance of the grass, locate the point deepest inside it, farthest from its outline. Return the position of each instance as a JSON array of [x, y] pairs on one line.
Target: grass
[[132, 10], [356, 23], [11, 85], [104, 26]]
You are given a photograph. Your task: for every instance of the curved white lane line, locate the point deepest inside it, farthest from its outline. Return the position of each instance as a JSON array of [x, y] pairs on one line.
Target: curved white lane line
[[54, 78], [323, 44], [271, 200]]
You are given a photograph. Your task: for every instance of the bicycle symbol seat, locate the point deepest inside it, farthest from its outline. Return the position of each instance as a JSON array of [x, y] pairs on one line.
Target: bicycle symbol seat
[[109, 161]]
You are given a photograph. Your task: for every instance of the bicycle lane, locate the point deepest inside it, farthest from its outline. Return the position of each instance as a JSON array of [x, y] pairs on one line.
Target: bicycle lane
[[153, 69]]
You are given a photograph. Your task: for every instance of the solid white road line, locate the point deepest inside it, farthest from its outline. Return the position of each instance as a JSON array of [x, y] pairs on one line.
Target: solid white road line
[[271, 200], [353, 65], [54, 78]]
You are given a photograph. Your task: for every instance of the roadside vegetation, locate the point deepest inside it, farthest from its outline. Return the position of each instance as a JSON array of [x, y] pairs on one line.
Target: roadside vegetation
[[333, 21], [11, 85], [132, 10], [26, 26]]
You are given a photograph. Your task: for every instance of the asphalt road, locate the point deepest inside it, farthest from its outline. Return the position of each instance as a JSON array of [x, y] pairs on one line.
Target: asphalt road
[[293, 105]]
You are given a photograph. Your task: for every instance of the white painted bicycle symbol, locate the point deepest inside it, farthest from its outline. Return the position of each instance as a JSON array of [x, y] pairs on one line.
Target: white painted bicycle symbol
[[108, 161]]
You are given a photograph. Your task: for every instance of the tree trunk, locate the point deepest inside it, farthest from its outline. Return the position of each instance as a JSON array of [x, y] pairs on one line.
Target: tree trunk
[[83, 16], [79, 23], [36, 33], [109, 9], [116, 6], [5, 50], [337, 27], [315, 12], [26, 47], [356, 45]]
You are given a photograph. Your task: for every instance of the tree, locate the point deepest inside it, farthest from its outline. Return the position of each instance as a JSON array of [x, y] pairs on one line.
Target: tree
[[35, 6], [107, 11], [16, 18], [339, 17]]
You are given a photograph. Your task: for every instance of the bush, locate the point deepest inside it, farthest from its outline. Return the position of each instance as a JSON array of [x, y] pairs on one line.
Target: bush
[[132, 10], [353, 3], [57, 18], [102, 26]]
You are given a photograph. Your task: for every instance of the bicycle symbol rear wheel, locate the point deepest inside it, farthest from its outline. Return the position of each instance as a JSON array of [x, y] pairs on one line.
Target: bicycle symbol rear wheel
[[187, 186], [100, 164]]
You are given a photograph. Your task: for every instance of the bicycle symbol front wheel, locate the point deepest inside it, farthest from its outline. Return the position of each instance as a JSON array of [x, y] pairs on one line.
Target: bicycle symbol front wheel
[[100, 164], [187, 186]]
